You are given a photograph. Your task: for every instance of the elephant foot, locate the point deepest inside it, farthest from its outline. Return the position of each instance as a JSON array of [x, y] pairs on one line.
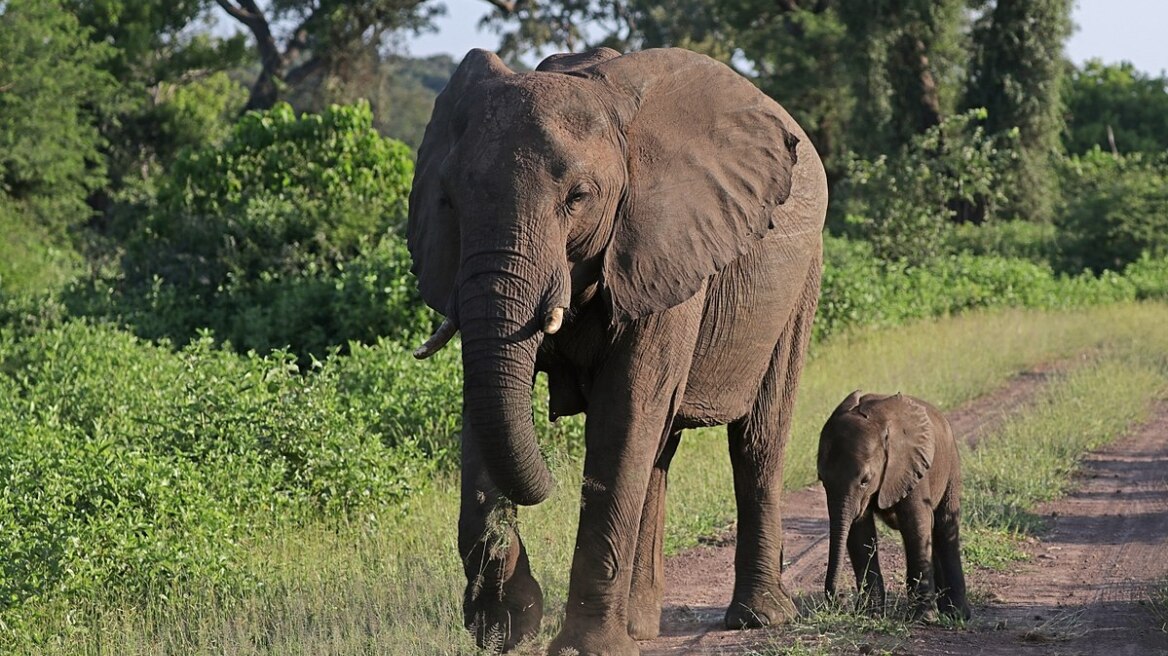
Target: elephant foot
[[924, 614], [501, 621], [644, 616], [761, 609], [957, 609], [611, 642], [644, 621]]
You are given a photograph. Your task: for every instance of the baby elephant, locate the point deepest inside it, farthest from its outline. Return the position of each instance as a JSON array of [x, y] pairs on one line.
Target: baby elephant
[[898, 452]]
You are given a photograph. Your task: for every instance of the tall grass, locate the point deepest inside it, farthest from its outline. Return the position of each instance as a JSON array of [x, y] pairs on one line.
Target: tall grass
[[393, 586]]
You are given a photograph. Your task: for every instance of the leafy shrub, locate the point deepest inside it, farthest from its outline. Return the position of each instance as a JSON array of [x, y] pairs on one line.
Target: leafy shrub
[[282, 194], [283, 236], [309, 312], [127, 464], [1025, 240], [1115, 209], [31, 260], [905, 204], [1149, 275], [860, 290]]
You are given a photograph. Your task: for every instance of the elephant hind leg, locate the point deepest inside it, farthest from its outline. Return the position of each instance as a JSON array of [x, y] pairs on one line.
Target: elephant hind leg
[[951, 597], [647, 591], [757, 450]]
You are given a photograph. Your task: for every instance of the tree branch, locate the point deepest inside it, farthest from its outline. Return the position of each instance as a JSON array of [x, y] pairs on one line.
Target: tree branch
[[507, 6]]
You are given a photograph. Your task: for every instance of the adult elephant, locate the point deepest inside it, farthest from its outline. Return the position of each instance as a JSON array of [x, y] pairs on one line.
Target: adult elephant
[[646, 229]]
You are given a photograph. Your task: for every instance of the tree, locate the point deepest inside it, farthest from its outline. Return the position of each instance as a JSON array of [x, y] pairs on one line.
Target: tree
[[171, 89], [1115, 104], [325, 36], [51, 81], [1015, 75], [903, 69]]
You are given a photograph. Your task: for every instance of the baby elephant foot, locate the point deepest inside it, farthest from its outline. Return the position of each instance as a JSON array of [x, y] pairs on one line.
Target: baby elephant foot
[[957, 609], [924, 610], [577, 642], [501, 621], [760, 609]]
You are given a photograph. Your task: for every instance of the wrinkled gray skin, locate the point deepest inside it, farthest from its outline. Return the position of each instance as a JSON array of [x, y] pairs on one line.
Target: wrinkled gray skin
[[894, 457], [675, 212]]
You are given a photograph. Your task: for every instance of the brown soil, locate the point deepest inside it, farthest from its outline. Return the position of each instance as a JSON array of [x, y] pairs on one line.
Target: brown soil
[[1084, 591]]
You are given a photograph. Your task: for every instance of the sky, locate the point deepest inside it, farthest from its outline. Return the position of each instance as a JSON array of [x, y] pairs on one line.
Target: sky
[[1111, 30]]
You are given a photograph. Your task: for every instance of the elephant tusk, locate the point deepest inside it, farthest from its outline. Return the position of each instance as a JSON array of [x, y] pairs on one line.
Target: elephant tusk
[[439, 339], [553, 321]]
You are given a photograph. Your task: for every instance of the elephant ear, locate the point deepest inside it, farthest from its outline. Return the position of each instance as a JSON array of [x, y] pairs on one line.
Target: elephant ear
[[847, 405], [575, 62], [909, 443], [710, 158], [432, 230], [834, 424]]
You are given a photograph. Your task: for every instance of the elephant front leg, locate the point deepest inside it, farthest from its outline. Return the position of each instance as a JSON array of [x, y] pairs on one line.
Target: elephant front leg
[[647, 591], [636, 393], [502, 603], [865, 557], [917, 531]]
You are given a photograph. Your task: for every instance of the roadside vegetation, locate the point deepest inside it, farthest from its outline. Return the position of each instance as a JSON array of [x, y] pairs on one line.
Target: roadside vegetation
[[380, 578]]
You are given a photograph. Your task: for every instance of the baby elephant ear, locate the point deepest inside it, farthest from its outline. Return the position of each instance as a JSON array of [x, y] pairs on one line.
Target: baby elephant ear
[[847, 405], [910, 446]]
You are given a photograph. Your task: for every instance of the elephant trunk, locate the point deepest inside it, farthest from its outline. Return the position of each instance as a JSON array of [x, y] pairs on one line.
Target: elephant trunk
[[841, 524], [501, 321]]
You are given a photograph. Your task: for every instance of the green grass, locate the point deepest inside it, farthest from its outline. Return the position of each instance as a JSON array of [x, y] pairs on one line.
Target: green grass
[[1031, 459], [392, 585]]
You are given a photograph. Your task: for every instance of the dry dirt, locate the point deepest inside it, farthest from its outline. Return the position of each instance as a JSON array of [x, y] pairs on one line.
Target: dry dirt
[[1084, 591]]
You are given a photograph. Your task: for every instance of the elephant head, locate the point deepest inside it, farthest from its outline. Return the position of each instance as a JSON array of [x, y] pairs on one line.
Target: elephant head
[[626, 180], [871, 446]]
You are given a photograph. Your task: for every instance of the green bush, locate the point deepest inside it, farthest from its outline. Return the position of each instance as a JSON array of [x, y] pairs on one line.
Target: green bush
[[1149, 275], [1115, 209], [905, 204], [309, 312], [861, 290], [31, 260], [284, 236], [1025, 240], [281, 195], [129, 465]]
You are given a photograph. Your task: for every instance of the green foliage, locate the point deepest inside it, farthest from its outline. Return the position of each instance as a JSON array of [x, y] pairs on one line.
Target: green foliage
[[282, 236], [30, 260], [904, 204], [1116, 97], [282, 194], [1025, 240], [1015, 74], [50, 82], [1150, 277], [128, 465], [1114, 209], [903, 65], [860, 290]]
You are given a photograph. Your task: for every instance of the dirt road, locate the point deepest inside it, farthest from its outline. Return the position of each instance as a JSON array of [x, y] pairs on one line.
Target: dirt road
[[1083, 592]]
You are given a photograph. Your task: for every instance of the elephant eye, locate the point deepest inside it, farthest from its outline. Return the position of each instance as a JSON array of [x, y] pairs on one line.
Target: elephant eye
[[576, 198]]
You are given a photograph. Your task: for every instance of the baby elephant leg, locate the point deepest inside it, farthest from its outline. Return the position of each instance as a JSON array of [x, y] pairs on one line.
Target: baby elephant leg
[[916, 528], [951, 599]]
